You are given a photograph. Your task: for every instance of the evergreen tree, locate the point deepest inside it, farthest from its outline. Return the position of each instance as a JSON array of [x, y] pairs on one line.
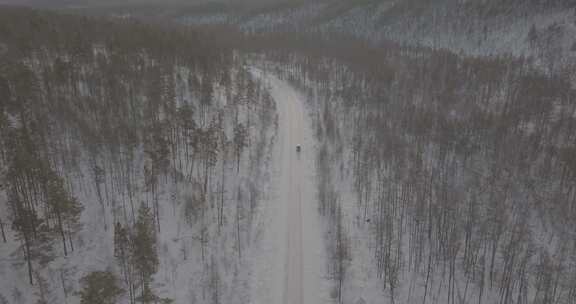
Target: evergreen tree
[[532, 35], [99, 287], [23, 180], [65, 208], [122, 253], [240, 142], [144, 255]]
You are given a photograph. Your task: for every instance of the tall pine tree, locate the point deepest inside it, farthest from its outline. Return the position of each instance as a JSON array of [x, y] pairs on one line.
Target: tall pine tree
[[145, 256]]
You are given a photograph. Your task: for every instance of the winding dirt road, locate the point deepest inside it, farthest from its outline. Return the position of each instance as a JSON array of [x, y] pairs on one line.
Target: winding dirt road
[[291, 126], [292, 243]]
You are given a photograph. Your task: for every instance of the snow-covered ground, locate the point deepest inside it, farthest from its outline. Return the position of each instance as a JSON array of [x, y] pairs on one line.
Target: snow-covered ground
[[290, 267], [200, 259], [444, 24]]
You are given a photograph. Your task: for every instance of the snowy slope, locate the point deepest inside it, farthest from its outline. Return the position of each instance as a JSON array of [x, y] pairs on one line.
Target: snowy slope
[[476, 28], [200, 260]]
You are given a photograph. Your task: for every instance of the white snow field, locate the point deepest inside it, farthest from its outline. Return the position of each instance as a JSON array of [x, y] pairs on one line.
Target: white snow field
[[291, 265]]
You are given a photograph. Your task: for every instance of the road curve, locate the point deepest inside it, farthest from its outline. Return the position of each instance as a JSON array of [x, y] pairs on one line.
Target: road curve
[[294, 229], [291, 126]]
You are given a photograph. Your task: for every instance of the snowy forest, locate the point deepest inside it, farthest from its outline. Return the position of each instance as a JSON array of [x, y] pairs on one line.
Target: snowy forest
[[289, 152], [127, 152], [455, 174]]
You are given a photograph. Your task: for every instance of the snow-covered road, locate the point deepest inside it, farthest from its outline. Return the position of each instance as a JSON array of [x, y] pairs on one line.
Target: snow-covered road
[[290, 269]]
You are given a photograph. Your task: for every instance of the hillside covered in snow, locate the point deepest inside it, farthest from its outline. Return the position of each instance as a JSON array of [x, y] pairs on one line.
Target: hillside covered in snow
[[130, 153], [544, 30], [294, 152], [441, 178]]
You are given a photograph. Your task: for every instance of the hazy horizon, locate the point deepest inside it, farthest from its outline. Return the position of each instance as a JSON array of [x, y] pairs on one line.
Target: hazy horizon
[[111, 3]]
